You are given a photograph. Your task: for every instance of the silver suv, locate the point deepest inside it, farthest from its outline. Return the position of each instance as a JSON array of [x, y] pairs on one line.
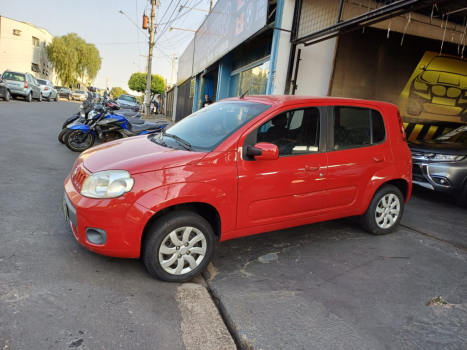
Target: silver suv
[[23, 84], [128, 101]]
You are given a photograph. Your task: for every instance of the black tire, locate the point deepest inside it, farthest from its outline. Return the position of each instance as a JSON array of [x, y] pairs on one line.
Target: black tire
[[29, 97], [7, 96], [49, 98], [56, 98], [461, 198], [69, 140], [368, 221], [61, 136], [158, 233], [69, 98], [39, 99]]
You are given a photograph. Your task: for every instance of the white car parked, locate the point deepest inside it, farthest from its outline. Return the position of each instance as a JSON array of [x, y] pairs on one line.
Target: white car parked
[[80, 95], [48, 90]]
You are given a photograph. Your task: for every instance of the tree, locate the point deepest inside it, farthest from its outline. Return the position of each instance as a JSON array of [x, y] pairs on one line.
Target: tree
[[72, 58], [137, 83], [117, 91]]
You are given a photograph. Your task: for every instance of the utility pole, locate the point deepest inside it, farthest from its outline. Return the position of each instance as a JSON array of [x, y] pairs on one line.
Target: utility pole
[[106, 82], [210, 7], [173, 67], [147, 99]]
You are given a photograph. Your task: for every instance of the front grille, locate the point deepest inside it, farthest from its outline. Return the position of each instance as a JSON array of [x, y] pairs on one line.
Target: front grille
[[78, 175]]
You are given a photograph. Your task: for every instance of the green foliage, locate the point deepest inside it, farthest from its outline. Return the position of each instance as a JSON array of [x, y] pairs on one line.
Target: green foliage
[[117, 91], [137, 83], [72, 57]]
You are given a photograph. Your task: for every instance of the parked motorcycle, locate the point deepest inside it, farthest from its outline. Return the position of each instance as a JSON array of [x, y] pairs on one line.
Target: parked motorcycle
[[82, 117], [106, 126]]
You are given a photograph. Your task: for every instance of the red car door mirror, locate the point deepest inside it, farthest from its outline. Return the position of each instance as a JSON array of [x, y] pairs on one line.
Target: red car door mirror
[[263, 151]]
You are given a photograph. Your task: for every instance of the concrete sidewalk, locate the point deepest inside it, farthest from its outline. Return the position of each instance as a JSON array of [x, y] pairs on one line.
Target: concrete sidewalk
[[157, 118], [333, 286]]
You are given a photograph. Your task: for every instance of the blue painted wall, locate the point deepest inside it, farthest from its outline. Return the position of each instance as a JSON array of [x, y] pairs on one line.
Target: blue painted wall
[[275, 45]]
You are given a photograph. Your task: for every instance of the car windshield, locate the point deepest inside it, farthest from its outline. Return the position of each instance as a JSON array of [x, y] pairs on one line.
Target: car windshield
[[450, 65], [13, 76], [65, 90], [207, 128], [42, 82], [457, 135], [127, 98], [79, 91]]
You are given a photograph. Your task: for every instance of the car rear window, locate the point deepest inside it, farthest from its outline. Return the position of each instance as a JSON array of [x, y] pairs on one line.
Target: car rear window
[[14, 76], [357, 127], [42, 82], [79, 91]]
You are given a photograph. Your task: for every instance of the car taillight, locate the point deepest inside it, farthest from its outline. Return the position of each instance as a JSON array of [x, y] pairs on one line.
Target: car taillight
[[401, 127], [46, 89], [26, 85]]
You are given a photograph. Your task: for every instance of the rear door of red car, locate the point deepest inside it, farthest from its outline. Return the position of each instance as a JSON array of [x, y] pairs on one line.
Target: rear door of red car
[[358, 149], [292, 186]]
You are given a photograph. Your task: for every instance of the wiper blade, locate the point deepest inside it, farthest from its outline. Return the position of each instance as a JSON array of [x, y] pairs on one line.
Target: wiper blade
[[153, 138], [179, 140]]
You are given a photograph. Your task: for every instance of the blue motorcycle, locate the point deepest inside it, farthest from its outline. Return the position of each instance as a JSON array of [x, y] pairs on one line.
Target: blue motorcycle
[[106, 126]]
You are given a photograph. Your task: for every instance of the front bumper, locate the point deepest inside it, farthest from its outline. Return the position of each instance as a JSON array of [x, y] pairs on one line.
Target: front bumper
[[122, 221], [445, 177]]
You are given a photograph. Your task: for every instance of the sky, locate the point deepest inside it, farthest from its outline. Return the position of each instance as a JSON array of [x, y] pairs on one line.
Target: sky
[[119, 41]]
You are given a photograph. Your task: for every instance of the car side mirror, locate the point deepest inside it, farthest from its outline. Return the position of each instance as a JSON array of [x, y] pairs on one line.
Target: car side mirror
[[422, 67], [263, 151]]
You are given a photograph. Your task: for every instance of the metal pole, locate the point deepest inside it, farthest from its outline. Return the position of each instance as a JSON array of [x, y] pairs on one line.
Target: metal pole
[[172, 76], [147, 99], [210, 8]]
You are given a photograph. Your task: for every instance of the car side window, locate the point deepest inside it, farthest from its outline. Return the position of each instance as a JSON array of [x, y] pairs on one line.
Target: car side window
[[357, 127], [294, 132]]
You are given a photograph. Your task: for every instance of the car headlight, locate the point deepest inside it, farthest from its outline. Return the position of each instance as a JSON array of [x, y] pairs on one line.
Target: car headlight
[[420, 86], [446, 158], [107, 184]]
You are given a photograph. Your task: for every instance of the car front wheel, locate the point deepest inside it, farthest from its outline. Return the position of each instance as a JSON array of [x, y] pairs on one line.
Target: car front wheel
[[178, 246], [461, 197], [384, 212], [7, 96]]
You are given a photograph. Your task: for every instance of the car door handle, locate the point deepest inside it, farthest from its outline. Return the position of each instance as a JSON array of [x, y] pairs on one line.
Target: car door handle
[[312, 167], [379, 159]]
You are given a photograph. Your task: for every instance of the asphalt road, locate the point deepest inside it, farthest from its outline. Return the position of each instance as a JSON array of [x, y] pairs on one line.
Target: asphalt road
[[54, 294], [323, 286]]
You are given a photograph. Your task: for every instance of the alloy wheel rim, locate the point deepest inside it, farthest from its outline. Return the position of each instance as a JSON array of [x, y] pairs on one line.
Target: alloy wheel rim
[[387, 211], [182, 250]]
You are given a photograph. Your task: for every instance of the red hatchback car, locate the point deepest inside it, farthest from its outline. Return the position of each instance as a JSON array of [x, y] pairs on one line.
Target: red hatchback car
[[239, 167]]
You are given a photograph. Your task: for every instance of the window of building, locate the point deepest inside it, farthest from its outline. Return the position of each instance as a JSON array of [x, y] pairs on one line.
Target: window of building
[[253, 81], [35, 68], [294, 132], [35, 41], [357, 127]]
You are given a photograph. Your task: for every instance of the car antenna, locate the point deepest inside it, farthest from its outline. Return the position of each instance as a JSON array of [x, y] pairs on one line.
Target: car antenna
[[243, 95]]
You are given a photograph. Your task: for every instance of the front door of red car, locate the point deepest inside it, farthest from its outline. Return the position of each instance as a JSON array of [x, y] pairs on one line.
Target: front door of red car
[[357, 151], [292, 186]]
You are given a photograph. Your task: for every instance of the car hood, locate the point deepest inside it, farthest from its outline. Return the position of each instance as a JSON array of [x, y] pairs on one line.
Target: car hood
[[136, 155], [435, 77], [438, 146]]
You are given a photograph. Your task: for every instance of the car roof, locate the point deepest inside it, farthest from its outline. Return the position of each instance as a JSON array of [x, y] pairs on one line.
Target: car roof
[[293, 99]]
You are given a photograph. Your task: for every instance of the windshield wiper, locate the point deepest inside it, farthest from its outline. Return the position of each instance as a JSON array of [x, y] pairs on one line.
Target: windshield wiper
[[153, 138], [180, 141]]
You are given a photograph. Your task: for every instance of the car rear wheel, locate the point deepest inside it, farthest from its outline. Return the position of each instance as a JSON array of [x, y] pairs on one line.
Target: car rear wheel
[[7, 96], [384, 212], [49, 98], [461, 198], [39, 99], [56, 98], [178, 246]]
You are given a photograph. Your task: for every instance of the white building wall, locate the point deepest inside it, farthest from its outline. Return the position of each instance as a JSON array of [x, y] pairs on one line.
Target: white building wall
[[17, 52]]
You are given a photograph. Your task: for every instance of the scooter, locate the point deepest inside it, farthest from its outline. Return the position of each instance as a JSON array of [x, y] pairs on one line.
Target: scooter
[[106, 126]]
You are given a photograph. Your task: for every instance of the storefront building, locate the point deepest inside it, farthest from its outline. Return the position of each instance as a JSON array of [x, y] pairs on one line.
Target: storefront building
[[406, 52]]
